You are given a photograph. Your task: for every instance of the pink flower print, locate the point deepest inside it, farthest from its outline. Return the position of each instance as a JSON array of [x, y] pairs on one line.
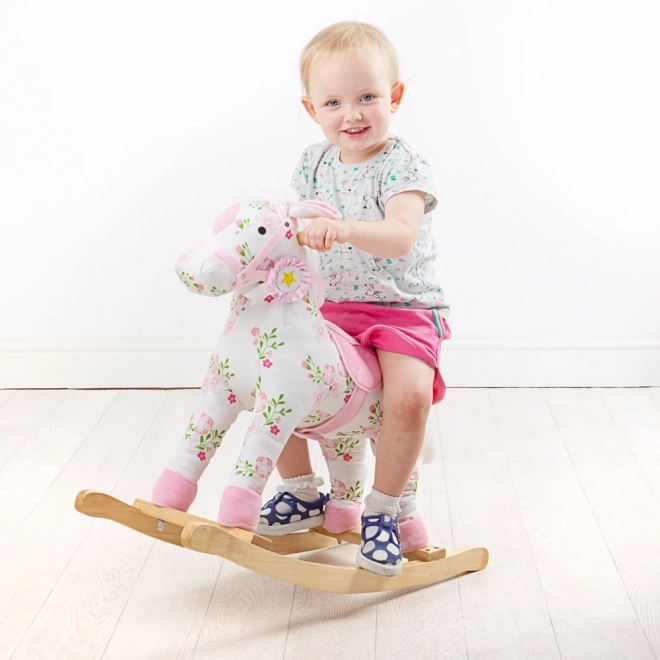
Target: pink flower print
[[263, 467], [289, 235], [202, 456], [183, 258], [241, 300], [216, 384], [256, 484], [304, 364], [204, 425], [274, 429], [339, 487], [346, 398], [330, 444], [231, 398], [250, 429], [329, 375], [328, 454], [347, 457], [267, 363], [229, 325], [261, 403], [320, 332], [268, 299], [254, 332], [318, 397], [205, 384]]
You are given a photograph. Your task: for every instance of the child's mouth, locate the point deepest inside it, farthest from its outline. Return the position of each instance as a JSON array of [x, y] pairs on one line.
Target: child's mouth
[[356, 133]]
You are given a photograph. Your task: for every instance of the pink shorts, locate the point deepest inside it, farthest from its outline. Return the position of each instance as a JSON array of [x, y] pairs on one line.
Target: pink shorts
[[416, 332]]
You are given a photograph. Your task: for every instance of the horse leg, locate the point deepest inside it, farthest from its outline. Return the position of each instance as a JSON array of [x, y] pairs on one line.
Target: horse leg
[[276, 415], [216, 410], [346, 461]]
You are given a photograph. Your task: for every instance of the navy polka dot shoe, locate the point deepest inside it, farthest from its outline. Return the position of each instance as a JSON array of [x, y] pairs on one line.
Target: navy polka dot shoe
[[380, 550], [285, 513]]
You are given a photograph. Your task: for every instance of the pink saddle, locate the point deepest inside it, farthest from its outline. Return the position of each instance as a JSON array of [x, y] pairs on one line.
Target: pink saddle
[[362, 366]]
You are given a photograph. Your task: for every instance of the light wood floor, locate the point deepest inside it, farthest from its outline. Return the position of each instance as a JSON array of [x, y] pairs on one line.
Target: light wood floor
[[562, 486]]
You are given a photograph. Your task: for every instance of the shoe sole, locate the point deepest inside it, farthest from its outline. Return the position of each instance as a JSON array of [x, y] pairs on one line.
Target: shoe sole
[[283, 530], [388, 570]]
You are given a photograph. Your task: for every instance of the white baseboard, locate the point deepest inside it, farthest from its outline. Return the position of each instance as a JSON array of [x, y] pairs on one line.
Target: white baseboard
[[492, 363]]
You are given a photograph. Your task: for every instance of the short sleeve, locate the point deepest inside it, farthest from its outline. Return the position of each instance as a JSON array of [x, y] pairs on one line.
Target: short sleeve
[[404, 171], [300, 177]]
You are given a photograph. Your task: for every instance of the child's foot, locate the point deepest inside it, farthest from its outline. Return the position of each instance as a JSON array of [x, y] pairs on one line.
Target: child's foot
[[380, 550], [286, 513]]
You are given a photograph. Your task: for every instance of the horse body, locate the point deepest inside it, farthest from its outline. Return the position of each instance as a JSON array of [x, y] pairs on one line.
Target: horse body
[[276, 357]]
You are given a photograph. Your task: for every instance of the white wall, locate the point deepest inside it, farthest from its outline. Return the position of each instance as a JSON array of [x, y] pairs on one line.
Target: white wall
[[126, 126]]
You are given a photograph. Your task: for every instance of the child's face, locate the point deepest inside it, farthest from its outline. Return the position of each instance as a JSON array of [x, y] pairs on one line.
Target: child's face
[[352, 97]]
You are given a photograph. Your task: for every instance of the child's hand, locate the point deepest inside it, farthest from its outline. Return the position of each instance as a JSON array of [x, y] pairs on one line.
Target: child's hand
[[323, 232]]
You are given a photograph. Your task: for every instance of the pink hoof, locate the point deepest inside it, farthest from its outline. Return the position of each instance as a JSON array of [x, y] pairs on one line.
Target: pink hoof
[[239, 507], [174, 490], [413, 534], [340, 519]]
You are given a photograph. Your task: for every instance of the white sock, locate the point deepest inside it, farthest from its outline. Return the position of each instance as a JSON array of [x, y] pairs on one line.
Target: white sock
[[304, 487], [377, 503]]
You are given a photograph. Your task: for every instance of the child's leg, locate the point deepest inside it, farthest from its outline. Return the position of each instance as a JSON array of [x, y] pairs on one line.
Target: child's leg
[[407, 398]]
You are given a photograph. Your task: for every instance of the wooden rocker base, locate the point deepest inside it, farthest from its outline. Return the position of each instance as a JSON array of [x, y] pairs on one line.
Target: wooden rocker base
[[267, 555]]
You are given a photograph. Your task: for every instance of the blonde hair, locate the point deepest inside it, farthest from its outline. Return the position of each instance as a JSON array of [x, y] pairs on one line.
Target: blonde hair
[[350, 37]]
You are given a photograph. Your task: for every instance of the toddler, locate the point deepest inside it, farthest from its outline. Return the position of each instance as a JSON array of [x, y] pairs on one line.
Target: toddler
[[378, 265]]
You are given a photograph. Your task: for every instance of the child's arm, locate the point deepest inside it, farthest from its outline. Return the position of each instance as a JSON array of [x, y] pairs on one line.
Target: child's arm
[[391, 238]]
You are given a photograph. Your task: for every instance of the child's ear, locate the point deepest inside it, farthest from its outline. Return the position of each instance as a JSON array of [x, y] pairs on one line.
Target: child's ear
[[309, 106], [398, 89]]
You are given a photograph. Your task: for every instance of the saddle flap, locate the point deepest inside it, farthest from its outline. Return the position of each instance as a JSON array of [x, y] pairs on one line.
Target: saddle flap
[[361, 363]]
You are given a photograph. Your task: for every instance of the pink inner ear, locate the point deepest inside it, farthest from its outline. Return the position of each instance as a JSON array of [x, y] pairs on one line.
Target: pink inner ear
[[225, 218], [313, 209]]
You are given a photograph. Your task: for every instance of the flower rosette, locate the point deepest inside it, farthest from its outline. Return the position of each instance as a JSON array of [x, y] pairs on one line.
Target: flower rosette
[[288, 280]]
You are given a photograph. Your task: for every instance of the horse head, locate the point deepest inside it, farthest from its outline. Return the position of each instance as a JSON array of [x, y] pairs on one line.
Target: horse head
[[249, 240]]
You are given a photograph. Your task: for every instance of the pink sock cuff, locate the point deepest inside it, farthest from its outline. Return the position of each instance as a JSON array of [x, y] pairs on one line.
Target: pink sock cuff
[[174, 490], [413, 534], [239, 507], [341, 519]]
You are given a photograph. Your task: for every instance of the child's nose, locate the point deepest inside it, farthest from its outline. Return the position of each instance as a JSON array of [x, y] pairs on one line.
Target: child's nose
[[353, 114]]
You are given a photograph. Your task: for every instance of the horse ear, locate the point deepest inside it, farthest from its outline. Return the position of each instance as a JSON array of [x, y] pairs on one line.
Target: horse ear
[[225, 218], [313, 209]]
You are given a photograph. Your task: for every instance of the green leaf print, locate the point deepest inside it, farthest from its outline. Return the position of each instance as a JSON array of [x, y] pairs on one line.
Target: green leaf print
[[245, 469], [267, 344]]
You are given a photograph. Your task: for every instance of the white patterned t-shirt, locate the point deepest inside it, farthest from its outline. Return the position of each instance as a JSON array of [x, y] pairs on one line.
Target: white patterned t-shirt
[[360, 191]]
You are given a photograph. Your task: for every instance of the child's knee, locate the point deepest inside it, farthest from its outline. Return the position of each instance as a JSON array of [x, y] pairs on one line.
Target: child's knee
[[409, 401]]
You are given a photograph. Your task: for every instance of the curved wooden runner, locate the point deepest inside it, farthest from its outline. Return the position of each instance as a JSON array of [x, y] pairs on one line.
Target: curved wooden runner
[[267, 555]]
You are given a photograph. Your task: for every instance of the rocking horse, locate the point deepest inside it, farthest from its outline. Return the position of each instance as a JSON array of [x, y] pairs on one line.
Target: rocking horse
[[278, 358]]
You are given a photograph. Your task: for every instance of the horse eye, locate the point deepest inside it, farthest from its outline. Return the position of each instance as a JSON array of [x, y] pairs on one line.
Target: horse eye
[[262, 230]]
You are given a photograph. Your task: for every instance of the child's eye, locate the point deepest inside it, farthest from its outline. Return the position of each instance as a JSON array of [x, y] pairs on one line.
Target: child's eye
[[368, 97], [333, 104]]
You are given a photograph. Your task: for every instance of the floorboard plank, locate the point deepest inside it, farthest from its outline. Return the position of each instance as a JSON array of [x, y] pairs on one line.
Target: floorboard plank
[[636, 413], [17, 612], [621, 499], [29, 473], [86, 604], [577, 573], [602, 640]]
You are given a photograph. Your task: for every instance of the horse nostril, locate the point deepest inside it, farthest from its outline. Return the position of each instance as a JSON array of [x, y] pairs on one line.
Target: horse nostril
[[262, 230]]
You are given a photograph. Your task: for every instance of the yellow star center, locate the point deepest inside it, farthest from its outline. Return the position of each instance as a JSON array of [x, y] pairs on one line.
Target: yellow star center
[[288, 278]]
